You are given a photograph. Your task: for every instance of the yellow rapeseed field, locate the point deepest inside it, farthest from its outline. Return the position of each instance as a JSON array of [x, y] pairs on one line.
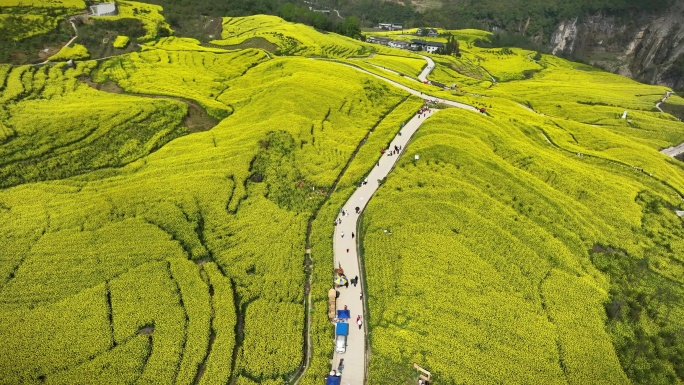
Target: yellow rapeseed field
[[535, 242]]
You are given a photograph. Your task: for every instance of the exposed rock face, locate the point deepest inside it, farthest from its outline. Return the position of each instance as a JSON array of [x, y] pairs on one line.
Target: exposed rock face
[[646, 47]]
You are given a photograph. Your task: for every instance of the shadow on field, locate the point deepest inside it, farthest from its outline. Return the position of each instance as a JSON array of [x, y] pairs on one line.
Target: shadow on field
[[673, 109], [252, 42], [196, 120]]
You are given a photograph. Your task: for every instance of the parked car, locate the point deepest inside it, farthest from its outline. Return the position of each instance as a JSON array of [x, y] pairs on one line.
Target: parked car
[[341, 333]]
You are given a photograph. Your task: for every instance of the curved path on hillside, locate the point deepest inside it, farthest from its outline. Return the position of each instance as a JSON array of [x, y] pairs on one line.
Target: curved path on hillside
[[345, 247], [674, 150], [427, 70], [416, 92], [346, 255]]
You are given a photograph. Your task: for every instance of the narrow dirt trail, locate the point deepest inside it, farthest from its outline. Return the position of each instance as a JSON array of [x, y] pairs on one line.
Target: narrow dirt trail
[[673, 151], [663, 100]]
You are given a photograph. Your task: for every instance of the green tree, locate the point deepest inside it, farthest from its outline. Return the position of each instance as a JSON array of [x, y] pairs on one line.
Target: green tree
[[351, 26], [451, 46]]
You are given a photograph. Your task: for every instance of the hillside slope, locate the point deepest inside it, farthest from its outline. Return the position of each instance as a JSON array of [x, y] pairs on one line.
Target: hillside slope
[[538, 230]]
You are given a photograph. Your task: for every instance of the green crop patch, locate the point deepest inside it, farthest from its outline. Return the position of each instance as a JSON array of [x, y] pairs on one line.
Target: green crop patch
[[71, 52], [121, 42]]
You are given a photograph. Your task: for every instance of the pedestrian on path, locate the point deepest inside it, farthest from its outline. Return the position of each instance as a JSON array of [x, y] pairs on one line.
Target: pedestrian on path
[[357, 207], [347, 251], [342, 234], [356, 280], [361, 296], [359, 322]]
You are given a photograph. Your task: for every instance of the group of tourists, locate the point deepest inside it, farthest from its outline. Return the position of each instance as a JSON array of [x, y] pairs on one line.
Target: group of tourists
[[423, 111], [390, 152]]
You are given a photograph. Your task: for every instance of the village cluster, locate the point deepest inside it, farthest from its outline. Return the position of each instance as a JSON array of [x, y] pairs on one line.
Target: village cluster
[[413, 45]]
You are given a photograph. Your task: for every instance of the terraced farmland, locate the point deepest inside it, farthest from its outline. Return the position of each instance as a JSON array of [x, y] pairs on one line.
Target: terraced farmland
[[404, 65], [535, 242], [503, 247], [292, 39], [198, 203]]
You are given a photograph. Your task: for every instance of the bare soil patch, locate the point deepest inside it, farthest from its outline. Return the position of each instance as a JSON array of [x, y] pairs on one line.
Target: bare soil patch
[[147, 330], [253, 42]]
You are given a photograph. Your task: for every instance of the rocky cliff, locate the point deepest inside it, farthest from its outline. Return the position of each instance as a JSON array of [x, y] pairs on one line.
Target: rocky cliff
[[646, 47]]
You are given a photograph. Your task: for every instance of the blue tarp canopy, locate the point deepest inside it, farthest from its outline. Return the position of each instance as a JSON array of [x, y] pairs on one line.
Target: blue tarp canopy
[[342, 328], [344, 314], [333, 380]]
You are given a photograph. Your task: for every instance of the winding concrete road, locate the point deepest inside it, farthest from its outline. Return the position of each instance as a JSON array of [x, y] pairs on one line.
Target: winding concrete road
[[415, 92], [345, 241], [346, 255], [427, 70], [674, 150]]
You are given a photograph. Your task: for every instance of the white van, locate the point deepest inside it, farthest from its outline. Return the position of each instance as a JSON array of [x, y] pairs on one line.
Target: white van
[[341, 344], [341, 332]]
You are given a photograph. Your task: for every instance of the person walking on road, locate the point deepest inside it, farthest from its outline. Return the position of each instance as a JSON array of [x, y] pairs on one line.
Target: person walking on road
[[342, 233], [347, 251], [352, 235], [361, 296], [355, 281], [359, 322]]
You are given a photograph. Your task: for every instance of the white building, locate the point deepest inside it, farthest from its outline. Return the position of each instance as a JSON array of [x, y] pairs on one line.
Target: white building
[[432, 47], [103, 9], [399, 44], [390, 26]]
